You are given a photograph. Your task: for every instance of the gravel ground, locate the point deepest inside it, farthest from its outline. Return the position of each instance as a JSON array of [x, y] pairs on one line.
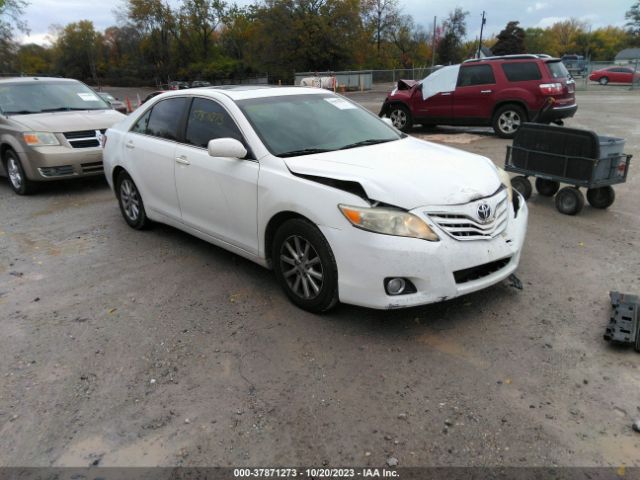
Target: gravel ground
[[154, 348]]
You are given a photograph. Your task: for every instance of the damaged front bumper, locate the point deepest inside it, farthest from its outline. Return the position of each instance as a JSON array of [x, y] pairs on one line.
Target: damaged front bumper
[[438, 270]]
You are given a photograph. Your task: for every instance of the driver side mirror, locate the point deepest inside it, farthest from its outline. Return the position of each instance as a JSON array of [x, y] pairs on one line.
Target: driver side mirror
[[226, 147]]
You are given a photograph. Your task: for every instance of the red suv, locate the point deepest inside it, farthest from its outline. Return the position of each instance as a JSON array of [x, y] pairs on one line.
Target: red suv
[[502, 92]]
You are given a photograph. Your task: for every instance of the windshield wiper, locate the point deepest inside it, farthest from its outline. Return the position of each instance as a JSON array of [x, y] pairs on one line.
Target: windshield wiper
[[363, 143], [19, 112], [304, 151]]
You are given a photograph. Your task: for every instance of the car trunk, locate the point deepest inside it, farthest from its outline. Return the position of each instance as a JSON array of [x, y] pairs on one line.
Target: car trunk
[[559, 74]]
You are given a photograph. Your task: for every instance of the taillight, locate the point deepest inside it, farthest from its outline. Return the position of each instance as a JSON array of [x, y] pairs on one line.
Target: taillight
[[551, 89]]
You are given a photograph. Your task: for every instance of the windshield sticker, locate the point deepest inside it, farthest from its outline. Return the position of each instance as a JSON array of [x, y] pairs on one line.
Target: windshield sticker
[[88, 97], [340, 103]]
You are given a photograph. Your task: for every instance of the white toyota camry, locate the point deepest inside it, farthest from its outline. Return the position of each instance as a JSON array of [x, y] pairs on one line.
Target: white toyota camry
[[338, 203]]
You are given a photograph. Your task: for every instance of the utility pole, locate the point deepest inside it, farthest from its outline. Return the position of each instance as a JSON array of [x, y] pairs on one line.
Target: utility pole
[[484, 20], [433, 44]]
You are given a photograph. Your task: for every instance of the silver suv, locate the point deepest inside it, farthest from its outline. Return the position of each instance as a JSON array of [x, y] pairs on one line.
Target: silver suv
[[50, 129]]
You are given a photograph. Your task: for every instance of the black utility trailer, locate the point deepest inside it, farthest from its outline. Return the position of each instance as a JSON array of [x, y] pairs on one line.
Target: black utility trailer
[[555, 155]]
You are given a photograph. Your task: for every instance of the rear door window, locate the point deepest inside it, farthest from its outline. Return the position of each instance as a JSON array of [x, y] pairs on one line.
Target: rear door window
[[166, 118], [521, 71], [476, 75]]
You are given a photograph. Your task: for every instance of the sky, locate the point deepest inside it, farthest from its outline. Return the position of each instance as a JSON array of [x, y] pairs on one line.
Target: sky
[[41, 14]]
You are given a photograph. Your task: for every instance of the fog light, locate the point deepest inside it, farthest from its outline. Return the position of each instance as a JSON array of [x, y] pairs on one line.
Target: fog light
[[396, 286]]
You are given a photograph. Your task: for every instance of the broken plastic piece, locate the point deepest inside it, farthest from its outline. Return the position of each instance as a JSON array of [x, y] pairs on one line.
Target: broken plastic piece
[[624, 325], [514, 281]]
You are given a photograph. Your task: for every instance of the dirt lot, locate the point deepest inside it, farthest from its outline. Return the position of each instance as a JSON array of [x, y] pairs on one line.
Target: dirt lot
[[154, 348]]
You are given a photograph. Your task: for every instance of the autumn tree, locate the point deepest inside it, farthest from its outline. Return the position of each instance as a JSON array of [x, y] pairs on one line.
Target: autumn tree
[[449, 50], [381, 17], [76, 51], [11, 17], [510, 40], [633, 22]]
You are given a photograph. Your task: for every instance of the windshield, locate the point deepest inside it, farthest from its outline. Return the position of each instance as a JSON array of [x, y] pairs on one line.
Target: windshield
[[294, 125], [41, 96], [558, 70]]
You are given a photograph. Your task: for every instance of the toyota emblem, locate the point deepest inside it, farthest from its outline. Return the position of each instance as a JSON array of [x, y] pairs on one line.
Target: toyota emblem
[[484, 212]]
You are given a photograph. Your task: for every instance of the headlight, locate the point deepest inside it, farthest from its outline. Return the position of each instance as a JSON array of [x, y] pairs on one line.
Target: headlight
[[506, 181], [40, 139], [389, 222]]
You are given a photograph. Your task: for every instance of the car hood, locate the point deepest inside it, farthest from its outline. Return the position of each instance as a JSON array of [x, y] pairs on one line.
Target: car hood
[[407, 173], [59, 122]]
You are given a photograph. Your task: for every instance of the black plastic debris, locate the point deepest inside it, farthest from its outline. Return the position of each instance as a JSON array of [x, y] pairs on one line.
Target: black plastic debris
[[624, 326], [515, 281]]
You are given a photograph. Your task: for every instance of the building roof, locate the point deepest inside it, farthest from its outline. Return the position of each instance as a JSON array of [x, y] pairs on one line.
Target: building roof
[[629, 54]]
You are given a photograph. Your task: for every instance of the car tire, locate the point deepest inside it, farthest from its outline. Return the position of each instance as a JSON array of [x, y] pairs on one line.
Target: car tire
[[401, 117], [305, 266], [547, 188], [522, 185], [130, 201], [569, 201], [16, 175], [508, 119], [603, 81], [601, 197]]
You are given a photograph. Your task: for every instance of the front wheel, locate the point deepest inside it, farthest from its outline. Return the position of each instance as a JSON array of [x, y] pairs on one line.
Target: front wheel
[[569, 201], [17, 178], [130, 201], [305, 266], [507, 120], [401, 117], [602, 197]]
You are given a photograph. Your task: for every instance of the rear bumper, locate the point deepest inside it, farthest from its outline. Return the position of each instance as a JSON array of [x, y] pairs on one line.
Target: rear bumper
[[559, 113]]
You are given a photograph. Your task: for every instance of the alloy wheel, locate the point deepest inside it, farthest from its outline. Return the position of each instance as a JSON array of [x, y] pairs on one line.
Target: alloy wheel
[[130, 199], [15, 175], [301, 267], [509, 121], [399, 118]]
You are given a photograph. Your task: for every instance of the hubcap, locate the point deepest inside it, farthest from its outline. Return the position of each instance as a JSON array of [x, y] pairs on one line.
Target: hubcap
[[399, 118], [130, 199], [568, 201], [509, 121], [14, 173], [301, 267]]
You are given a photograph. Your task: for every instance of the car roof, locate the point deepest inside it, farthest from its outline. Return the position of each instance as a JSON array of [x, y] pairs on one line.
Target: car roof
[[19, 80], [244, 92]]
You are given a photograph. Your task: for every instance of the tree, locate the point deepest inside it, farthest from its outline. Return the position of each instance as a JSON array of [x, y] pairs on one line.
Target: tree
[[381, 16], [538, 40], [76, 50], [633, 24], [201, 18], [565, 35], [510, 40], [449, 49], [11, 13]]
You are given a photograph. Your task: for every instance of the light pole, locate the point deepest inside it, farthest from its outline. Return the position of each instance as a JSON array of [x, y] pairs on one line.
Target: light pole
[[484, 20]]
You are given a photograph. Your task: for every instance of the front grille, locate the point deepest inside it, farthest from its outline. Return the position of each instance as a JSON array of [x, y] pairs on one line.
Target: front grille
[[93, 167], [461, 221], [481, 271], [83, 138], [60, 171]]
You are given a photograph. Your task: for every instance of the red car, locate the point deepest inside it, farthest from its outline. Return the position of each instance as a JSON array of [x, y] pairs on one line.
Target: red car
[[502, 92], [614, 75]]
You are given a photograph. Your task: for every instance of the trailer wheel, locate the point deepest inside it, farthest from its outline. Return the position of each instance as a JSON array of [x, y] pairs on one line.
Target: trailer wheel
[[522, 185], [602, 197], [548, 188], [569, 201]]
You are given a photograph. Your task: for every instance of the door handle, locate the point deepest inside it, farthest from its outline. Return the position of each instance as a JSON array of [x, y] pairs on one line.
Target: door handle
[[182, 160], [486, 91], [445, 94], [129, 145]]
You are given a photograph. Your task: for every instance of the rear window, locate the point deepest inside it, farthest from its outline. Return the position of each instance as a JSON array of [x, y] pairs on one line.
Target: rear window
[[557, 70], [522, 71]]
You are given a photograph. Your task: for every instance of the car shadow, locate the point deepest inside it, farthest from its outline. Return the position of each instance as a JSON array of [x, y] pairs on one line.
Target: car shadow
[[61, 187]]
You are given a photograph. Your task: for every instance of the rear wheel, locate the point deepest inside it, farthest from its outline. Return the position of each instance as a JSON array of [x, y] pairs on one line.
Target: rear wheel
[[131, 205], [602, 197], [305, 266], [508, 119], [569, 201], [17, 178], [548, 188], [603, 81], [401, 117], [522, 185]]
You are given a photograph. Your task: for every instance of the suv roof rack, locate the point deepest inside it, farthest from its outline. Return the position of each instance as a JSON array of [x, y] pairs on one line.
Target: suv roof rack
[[524, 56]]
